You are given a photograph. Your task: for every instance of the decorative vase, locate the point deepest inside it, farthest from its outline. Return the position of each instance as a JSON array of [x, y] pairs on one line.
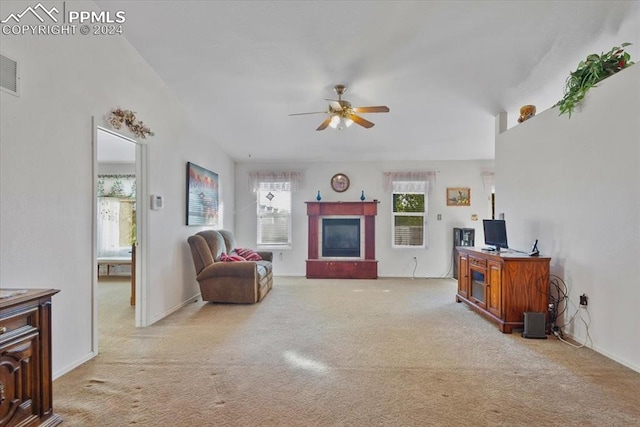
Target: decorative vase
[[526, 112], [318, 197], [362, 196]]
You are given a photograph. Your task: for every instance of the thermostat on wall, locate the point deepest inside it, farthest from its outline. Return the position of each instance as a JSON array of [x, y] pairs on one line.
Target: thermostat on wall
[[156, 202]]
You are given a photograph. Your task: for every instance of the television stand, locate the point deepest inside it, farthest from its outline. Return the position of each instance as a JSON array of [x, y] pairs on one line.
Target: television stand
[[502, 286]]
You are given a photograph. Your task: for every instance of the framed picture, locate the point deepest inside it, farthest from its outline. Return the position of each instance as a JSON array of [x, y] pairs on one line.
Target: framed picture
[[202, 196], [458, 196]]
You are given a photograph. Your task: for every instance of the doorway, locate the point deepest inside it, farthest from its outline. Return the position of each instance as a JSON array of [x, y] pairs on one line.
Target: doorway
[[119, 231]]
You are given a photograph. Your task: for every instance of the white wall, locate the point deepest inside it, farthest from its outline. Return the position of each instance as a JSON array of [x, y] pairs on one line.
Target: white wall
[[116, 168], [46, 174], [368, 176], [574, 185]]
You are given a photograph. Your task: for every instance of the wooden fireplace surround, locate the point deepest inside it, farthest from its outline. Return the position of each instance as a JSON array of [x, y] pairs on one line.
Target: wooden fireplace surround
[[365, 268]]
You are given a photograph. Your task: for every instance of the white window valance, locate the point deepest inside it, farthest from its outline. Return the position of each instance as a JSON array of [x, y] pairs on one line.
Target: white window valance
[[409, 181], [489, 180], [123, 186], [274, 181]]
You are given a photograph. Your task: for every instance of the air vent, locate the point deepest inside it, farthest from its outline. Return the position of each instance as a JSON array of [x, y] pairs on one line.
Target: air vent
[[9, 75]]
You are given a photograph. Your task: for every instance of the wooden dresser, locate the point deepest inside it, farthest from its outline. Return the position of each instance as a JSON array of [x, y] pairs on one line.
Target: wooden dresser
[[25, 359], [502, 286]]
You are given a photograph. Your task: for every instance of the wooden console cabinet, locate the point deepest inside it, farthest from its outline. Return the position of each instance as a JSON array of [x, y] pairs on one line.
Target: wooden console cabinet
[[502, 286], [25, 360], [364, 268]]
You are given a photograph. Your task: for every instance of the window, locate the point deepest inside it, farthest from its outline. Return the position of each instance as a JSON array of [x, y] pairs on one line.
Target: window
[[273, 192], [274, 215], [409, 220], [116, 226], [116, 222], [409, 191]]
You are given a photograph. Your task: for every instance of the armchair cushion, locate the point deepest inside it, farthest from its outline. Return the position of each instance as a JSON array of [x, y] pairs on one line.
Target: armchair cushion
[[248, 254], [231, 258]]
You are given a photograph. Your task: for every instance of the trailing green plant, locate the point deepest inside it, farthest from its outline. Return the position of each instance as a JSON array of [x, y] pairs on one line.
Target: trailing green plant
[[591, 71]]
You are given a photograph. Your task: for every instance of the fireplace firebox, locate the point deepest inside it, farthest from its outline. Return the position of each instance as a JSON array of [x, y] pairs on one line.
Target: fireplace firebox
[[341, 237]]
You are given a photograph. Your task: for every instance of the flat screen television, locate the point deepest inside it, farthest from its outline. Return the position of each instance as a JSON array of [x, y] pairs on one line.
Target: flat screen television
[[495, 233]]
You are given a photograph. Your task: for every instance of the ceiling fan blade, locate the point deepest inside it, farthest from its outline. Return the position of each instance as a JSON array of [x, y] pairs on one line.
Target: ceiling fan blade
[[304, 114], [376, 109], [362, 122], [324, 124], [335, 105]]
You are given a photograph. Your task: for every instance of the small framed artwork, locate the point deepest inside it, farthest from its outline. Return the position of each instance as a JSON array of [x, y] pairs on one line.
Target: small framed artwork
[[202, 196], [458, 196]]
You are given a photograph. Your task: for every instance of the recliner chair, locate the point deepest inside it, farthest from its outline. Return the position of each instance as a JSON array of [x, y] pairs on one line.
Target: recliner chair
[[244, 282]]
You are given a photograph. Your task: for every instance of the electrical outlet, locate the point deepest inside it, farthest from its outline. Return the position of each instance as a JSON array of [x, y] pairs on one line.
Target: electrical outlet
[[583, 300]]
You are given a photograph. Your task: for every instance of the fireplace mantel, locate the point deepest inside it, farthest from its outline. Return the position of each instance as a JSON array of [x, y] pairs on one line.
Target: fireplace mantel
[[342, 208], [365, 268]]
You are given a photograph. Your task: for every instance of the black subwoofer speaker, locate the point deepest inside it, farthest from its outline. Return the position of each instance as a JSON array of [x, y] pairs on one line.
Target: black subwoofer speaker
[[534, 325]]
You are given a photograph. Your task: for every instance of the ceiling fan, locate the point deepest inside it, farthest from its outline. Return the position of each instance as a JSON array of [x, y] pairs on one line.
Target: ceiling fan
[[342, 114]]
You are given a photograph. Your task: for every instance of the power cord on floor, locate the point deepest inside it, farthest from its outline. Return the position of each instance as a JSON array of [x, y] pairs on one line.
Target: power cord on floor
[[558, 304], [557, 295], [586, 322], [415, 266], [449, 273]]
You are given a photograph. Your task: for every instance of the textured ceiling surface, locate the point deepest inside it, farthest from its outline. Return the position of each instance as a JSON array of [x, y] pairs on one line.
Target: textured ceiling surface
[[113, 149], [444, 68]]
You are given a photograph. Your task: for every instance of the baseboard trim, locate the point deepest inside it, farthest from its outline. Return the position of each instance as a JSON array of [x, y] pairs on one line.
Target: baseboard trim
[[613, 357], [175, 308], [73, 366]]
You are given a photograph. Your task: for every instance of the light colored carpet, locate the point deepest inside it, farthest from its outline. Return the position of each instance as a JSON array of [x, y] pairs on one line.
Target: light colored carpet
[[386, 352]]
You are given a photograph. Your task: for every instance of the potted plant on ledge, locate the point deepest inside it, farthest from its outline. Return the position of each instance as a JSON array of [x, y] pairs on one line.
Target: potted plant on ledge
[[591, 71]]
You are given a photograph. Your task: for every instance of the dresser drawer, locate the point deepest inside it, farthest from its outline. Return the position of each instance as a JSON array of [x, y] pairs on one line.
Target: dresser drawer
[[477, 261], [18, 322]]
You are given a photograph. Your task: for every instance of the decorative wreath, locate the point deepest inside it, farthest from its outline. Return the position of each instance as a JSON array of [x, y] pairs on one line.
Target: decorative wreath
[[118, 117]]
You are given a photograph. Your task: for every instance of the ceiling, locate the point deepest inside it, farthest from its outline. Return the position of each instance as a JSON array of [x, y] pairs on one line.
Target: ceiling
[[444, 68], [114, 149]]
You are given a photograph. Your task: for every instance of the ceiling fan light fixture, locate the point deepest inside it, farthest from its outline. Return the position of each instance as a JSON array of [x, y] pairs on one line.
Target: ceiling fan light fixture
[[340, 122]]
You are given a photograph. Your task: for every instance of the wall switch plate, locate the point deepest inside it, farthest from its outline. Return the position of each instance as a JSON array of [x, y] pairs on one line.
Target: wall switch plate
[[439, 217], [156, 202]]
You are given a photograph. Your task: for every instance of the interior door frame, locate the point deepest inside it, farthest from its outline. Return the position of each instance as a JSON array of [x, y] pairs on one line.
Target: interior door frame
[[142, 229]]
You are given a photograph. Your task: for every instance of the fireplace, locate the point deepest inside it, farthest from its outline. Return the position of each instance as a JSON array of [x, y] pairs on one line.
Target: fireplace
[[340, 238], [348, 230]]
